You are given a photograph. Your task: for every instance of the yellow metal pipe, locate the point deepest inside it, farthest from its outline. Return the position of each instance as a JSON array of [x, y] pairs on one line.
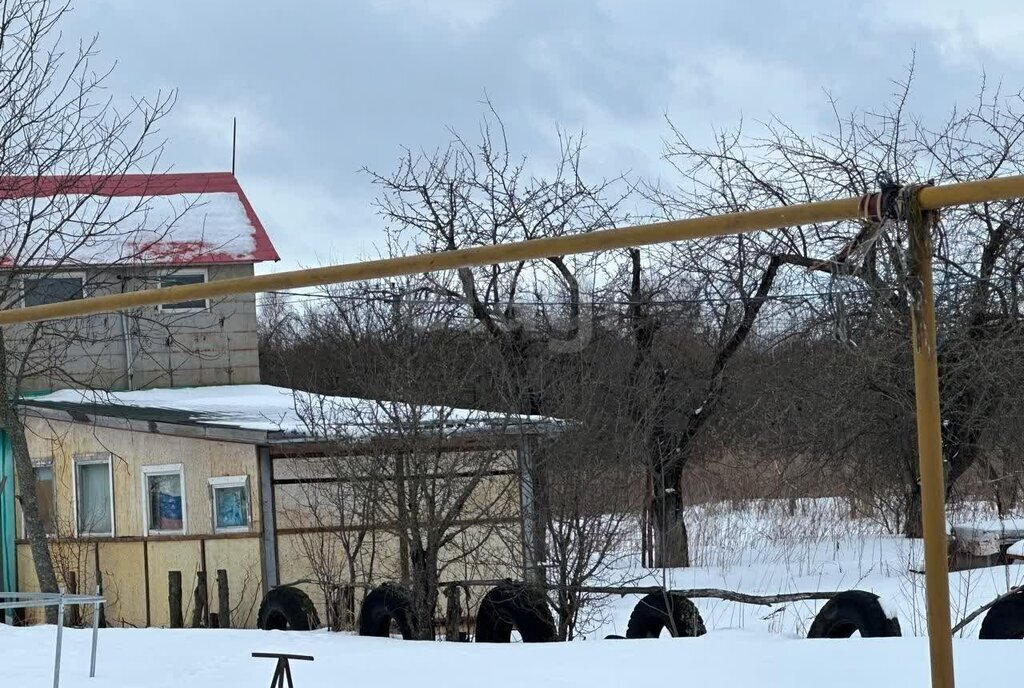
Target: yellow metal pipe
[[925, 362], [929, 452], [641, 235]]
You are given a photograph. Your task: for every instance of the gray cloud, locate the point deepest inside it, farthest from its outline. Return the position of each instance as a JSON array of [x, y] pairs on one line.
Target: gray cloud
[[323, 88]]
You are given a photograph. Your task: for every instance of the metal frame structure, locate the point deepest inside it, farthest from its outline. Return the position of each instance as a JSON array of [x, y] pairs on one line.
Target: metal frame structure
[[927, 198], [38, 600]]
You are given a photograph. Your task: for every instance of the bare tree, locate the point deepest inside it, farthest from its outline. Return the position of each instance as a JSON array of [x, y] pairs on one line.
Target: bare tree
[[336, 501], [477, 193], [595, 490], [977, 251], [407, 469], [724, 286], [57, 122]]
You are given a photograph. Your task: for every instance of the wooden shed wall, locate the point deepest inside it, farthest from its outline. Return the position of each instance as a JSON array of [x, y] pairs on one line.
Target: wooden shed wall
[[130, 561], [135, 566]]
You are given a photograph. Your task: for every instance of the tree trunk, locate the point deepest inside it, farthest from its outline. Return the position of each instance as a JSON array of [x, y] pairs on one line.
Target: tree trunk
[[35, 529], [453, 615], [667, 459], [424, 589], [912, 525], [568, 610], [671, 543]]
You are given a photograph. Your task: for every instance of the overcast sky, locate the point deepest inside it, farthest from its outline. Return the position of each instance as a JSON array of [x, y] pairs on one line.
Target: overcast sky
[[321, 89]]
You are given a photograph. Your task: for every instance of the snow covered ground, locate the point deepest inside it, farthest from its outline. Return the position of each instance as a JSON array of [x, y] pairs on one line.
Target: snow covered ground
[[157, 658], [756, 547]]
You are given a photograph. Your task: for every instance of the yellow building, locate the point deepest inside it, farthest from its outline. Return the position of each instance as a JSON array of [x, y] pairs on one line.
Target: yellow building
[[269, 485]]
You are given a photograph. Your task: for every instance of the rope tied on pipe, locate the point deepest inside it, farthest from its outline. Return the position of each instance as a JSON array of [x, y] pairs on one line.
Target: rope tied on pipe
[[876, 212], [891, 202], [894, 202]]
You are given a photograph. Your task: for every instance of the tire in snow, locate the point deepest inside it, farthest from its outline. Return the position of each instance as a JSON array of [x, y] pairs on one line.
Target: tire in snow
[[658, 611], [287, 609], [515, 606], [387, 605], [854, 611], [1004, 620]]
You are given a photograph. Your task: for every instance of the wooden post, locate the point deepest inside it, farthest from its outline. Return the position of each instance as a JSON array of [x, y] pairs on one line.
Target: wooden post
[[348, 607], [454, 615], [73, 615], [207, 607], [174, 598], [223, 600], [200, 614], [268, 520], [99, 609], [335, 614]]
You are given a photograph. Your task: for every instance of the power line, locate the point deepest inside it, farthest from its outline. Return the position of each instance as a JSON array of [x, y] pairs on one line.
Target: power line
[[592, 299]]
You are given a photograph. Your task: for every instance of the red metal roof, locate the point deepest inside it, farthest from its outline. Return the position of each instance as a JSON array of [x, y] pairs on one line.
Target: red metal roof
[[175, 247]]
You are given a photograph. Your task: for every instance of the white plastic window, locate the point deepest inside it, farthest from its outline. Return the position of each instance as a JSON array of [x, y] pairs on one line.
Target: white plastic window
[[230, 500], [94, 497], [163, 493]]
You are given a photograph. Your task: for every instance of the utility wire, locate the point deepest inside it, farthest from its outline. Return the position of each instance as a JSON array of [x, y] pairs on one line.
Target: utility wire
[[593, 299]]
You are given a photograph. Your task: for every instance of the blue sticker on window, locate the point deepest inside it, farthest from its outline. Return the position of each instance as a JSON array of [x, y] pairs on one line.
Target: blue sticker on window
[[231, 511]]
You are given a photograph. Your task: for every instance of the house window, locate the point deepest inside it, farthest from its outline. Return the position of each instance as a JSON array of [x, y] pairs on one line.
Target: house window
[[45, 498], [164, 495], [94, 496], [177, 279], [230, 497], [39, 291]]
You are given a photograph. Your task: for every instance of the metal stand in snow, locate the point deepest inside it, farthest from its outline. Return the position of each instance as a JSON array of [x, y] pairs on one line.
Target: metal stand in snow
[[41, 600], [282, 671]]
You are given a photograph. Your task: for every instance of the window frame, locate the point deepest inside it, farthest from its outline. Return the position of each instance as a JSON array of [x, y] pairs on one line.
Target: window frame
[[54, 275], [169, 308], [227, 482], [177, 469], [42, 463], [91, 459]]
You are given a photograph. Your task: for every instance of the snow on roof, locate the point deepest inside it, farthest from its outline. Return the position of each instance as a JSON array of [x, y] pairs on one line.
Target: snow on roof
[[164, 219], [999, 528], [290, 412]]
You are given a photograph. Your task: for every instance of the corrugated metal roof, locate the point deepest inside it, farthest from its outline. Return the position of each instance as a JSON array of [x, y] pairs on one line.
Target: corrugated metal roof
[[280, 412]]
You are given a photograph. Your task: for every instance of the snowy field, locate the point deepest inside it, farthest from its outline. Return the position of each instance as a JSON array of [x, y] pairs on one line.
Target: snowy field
[[760, 548], [155, 658], [755, 547]]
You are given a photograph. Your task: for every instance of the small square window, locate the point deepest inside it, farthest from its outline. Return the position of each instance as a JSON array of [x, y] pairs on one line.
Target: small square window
[[230, 497], [178, 279], [164, 499], [95, 504], [39, 291]]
